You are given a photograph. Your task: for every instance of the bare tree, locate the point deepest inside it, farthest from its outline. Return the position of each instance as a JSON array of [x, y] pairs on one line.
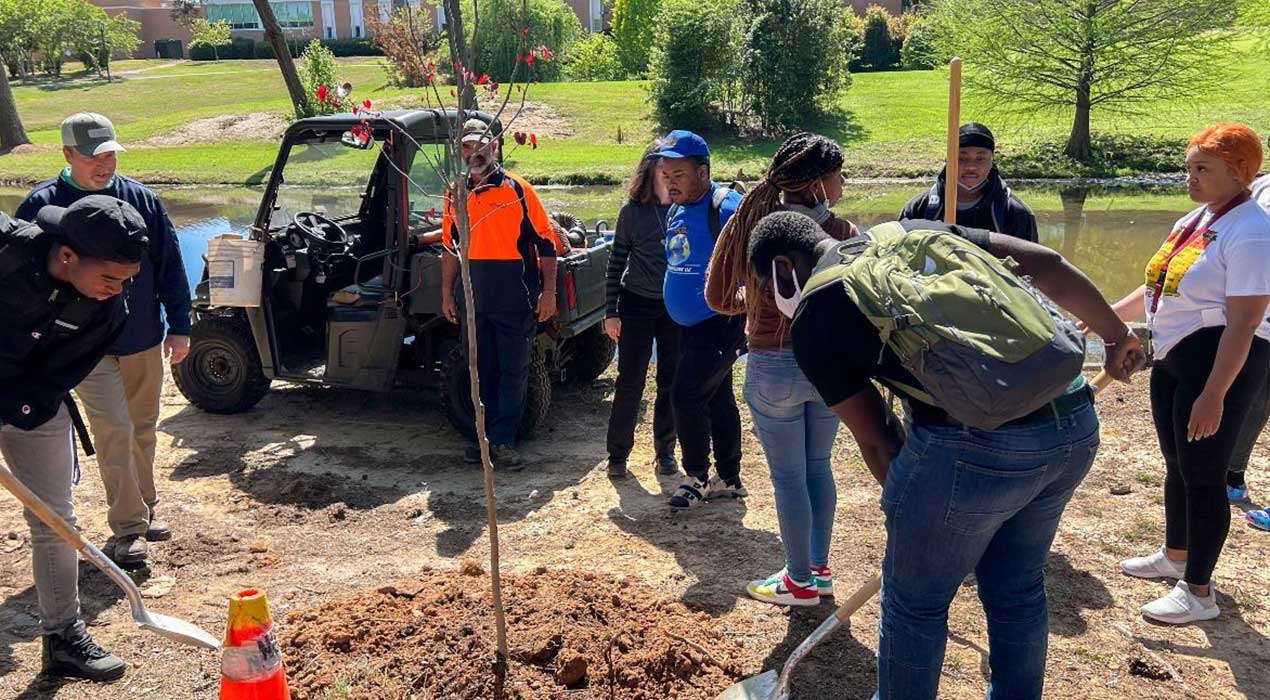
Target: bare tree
[[11, 132], [1081, 54], [273, 33]]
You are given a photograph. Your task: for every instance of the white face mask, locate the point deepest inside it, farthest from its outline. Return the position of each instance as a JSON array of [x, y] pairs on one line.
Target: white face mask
[[786, 305]]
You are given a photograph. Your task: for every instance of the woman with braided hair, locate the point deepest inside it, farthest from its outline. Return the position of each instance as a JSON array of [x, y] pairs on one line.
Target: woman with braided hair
[[793, 424]]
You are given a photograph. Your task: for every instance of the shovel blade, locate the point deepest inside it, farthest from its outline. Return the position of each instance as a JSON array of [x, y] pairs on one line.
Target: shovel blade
[[760, 687], [178, 630]]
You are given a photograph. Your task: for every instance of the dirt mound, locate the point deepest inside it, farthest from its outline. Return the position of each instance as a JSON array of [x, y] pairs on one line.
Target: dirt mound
[[571, 634], [257, 126], [533, 118]]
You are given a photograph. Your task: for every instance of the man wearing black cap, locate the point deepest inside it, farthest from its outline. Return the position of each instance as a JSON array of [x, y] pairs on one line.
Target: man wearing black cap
[[983, 199], [121, 396], [61, 308]]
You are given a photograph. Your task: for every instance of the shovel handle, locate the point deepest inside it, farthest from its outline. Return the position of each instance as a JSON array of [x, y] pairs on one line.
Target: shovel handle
[[859, 598], [1100, 381], [41, 509], [954, 141]]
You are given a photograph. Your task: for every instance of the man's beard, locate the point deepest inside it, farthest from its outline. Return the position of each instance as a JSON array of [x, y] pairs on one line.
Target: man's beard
[[478, 164]]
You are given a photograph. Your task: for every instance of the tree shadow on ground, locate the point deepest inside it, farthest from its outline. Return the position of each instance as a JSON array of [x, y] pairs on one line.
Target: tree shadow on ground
[[711, 542], [307, 452], [841, 661], [19, 623]]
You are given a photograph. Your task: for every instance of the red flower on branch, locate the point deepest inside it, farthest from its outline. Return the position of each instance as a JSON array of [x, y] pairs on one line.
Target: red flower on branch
[[533, 141], [322, 93], [520, 138], [524, 32], [366, 104], [484, 79], [529, 60], [545, 54]]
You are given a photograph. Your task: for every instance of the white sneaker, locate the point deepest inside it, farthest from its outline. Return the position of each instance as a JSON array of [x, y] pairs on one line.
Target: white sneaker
[[1156, 565], [718, 488], [1181, 607]]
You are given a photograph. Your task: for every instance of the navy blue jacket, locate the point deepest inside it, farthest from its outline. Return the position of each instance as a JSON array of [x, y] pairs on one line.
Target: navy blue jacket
[[162, 277]]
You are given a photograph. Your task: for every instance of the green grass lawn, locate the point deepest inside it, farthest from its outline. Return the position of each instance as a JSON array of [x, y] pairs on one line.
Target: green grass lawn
[[891, 123]]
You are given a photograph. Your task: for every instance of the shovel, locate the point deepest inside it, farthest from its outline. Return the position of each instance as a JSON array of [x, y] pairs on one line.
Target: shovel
[[769, 686], [170, 627]]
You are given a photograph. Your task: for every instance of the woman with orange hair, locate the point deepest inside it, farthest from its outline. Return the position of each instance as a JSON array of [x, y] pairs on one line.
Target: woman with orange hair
[[1206, 295]]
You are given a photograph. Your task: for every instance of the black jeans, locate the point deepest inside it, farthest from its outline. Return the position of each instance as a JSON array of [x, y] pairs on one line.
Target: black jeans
[[504, 341], [643, 321], [705, 404], [1196, 513]]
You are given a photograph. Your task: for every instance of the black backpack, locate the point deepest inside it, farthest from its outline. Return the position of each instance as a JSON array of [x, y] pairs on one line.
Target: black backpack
[[713, 217]]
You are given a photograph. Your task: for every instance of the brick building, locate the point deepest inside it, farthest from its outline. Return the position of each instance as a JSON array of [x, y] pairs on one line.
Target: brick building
[[329, 19]]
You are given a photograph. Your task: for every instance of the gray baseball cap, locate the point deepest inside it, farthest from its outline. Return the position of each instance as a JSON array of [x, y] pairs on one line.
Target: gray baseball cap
[[89, 133], [477, 130]]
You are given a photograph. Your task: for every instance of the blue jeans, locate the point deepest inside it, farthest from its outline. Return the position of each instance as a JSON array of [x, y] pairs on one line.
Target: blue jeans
[[797, 432], [959, 500]]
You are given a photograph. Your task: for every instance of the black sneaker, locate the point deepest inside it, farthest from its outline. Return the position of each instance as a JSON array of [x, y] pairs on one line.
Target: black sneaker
[[74, 654], [667, 466], [617, 469]]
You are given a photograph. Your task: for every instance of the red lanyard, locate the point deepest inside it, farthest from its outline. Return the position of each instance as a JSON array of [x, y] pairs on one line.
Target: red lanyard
[[1192, 232]]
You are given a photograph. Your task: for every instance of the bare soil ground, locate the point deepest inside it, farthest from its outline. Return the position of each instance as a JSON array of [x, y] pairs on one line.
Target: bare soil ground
[[325, 498], [256, 126]]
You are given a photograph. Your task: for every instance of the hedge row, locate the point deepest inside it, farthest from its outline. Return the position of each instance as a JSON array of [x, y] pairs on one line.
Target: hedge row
[[242, 47]]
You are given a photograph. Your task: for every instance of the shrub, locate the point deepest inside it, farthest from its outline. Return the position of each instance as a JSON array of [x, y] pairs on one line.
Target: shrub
[[352, 47], [879, 50], [500, 41], [634, 22], [594, 58], [795, 56], [692, 64], [318, 68], [409, 44], [920, 51], [239, 48]]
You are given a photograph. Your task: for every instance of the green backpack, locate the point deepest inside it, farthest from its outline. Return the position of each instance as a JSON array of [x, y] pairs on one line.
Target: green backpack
[[985, 345]]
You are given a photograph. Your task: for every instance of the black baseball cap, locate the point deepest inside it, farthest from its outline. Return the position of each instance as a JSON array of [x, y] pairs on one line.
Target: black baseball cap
[[98, 226], [975, 134]]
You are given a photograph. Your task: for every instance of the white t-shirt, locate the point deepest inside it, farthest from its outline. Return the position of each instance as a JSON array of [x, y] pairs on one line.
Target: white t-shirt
[[1261, 191], [1235, 263]]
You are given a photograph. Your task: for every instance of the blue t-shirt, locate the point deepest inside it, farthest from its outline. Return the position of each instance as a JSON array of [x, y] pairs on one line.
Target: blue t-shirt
[[689, 245]]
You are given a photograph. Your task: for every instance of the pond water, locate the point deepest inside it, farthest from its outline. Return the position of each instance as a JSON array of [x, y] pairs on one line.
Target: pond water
[[1109, 231]]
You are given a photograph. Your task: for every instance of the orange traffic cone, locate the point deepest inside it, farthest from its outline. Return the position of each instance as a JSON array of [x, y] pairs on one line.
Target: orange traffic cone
[[251, 660]]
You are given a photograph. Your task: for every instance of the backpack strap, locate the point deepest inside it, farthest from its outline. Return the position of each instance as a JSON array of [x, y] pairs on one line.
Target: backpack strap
[[714, 216], [934, 203]]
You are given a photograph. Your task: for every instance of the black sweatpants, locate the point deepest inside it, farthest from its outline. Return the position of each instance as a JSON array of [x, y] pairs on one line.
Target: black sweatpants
[[504, 341], [705, 404], [1196, 513], [643, 321]]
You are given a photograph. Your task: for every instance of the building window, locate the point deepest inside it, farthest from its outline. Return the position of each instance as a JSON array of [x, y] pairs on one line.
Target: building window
[[291, 15], [238, 16], [357, 16], [597, 15]]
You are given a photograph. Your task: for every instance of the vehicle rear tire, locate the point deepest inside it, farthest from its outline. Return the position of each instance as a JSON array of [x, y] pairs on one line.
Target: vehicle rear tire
[[456, 394], [591, 354], [222, 373]]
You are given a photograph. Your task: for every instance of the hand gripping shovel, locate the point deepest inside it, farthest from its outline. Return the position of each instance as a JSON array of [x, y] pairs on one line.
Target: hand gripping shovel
[[170, 627], [769, 686]]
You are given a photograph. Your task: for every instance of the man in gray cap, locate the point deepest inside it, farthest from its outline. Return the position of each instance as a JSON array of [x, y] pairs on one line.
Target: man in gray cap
[[121, 395], [513, 264], [61, 308]]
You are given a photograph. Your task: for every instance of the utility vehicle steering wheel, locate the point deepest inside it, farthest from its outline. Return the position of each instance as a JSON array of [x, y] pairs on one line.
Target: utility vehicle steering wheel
[[318, 230]]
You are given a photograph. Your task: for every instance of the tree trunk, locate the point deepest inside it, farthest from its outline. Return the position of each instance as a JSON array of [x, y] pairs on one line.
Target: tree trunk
[[11, 132], [454, 22], [273, 33], [1078, 146]]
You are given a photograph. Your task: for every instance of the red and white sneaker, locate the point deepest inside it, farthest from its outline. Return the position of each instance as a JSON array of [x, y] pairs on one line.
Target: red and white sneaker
[[780, 589], [823, 579]]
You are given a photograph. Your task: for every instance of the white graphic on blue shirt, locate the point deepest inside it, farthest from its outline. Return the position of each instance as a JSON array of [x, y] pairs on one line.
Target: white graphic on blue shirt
[[678, 250]]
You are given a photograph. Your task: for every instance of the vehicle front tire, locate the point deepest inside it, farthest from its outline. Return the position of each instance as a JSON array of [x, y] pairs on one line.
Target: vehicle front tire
[[456, 394], [222, 374], [591, 354]]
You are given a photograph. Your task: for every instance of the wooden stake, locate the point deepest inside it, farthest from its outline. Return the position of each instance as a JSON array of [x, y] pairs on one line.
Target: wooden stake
[[954, 127]]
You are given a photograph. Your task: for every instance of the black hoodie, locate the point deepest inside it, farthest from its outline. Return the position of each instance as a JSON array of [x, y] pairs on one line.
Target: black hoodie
[[998, 210]]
